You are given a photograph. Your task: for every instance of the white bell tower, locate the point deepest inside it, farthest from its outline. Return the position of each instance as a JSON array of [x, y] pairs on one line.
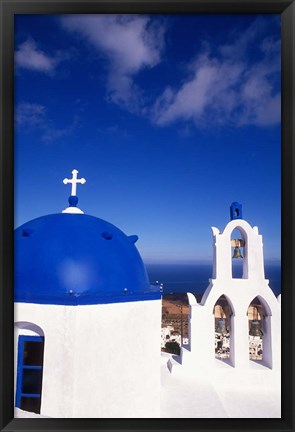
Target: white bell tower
[[238, 293]]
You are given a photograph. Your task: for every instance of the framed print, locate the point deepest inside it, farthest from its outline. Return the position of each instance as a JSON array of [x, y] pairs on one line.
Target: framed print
[[147, 215]]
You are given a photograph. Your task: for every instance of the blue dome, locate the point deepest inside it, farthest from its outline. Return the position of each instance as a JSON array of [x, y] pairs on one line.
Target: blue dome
[[77, 259]]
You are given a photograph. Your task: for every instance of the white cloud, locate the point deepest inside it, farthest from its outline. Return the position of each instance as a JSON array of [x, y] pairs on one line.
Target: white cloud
[[209, 86], [31, 116], [129, 42], [220, 88], [226, 88], [242, 43], [28, 56], [52, 133]]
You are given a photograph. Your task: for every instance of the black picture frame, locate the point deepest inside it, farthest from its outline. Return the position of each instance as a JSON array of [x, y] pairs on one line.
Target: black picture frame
[[8, 8]]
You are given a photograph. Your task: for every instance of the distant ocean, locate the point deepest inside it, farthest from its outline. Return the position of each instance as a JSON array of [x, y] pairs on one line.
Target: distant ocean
[[179, 278]]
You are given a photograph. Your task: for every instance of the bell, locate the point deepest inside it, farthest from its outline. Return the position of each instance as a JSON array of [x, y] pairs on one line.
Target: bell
[[237, 253], [221, 326], [254, 329]]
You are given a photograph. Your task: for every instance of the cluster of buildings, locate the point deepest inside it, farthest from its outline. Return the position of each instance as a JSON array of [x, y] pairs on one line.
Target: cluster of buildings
[[168, 334], [221, 343], [255, 347], [222, 346]]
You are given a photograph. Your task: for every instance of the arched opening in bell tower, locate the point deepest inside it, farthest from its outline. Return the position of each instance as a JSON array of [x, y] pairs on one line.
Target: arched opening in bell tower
[[259, 327], [255, 329], [239, 259], [222, 328]]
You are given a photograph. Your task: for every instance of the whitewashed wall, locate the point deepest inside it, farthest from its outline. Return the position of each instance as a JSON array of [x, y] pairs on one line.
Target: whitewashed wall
[[99, 360]]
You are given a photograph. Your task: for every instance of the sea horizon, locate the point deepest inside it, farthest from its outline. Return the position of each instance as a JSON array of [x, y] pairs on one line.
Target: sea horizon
[[194, 276]]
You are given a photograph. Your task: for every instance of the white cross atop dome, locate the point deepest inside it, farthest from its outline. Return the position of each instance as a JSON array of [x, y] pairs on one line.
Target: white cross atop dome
[[74, 180], [73, 199]]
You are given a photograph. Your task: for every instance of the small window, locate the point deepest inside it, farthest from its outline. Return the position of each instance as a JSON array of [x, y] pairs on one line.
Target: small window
[[29, 373]]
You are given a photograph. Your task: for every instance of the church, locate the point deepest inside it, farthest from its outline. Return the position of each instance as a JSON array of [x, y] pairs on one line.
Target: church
[[83, 303]]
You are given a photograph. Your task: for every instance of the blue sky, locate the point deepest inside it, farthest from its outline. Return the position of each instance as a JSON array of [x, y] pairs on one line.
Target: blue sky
[[170, 118]]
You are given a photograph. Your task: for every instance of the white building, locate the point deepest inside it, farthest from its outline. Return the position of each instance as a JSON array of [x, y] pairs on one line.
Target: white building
[[83, 308], [83, 304]]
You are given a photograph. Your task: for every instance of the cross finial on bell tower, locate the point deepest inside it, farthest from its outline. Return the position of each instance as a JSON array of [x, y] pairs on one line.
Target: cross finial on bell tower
[[236, 211], [73, 199]]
